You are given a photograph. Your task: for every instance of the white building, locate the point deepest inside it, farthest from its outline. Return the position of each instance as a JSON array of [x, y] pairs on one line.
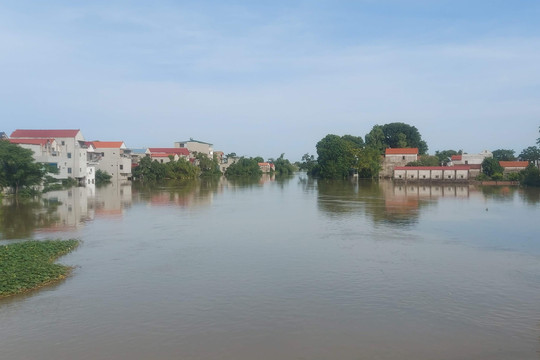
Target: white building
[[112, 157], [70, 154], [196, 146], [432, 173], [470, 159]]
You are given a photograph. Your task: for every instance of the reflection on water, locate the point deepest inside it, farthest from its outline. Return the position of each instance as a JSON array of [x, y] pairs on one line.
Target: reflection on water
[[286, 268]]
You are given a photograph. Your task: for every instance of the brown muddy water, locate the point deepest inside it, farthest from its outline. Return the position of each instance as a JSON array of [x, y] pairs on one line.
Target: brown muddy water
[[281, 269]]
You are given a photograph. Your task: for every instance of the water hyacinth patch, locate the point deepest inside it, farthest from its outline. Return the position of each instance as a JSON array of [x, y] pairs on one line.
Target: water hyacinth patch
[[29, 265]]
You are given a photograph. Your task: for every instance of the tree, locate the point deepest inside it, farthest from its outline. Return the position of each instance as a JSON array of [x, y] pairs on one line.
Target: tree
[[368, 162], [258, 159], [335, 157], [18, 168], [491, 167], [425, 160], [531, 154], [208, 167], [396, 135], [375, 139], [308, 162], [504, 155], [445, 156], [102, 177], [531, 176], [355, 141], [538, 140], [244, 167], [283, 166]]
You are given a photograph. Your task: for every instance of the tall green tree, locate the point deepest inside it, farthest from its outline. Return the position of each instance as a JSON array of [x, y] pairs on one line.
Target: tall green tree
[[17, 167], [335, 157], [395, 135], [531, 154], [375, 139], [283, 166], [491, 167], [504, 154], [308, 162], [368, 162], [208, 167]]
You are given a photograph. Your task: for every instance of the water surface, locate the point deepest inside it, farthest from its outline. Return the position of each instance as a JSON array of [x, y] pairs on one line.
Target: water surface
[[282, 269]]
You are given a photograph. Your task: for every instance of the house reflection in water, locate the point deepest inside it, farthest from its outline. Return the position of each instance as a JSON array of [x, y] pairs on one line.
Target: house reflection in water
[[71, 207], [111, 200]]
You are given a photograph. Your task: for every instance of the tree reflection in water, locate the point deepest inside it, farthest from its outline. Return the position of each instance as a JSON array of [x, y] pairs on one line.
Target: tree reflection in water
[[20, 218]]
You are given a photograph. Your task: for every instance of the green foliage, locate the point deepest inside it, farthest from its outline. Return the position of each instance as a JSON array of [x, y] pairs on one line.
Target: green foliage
[[18, 169], [335, 157], [368, 162], [395, 135], [29, 265], [283, 166], [445, 156], [491, 166], [149, 170], [514, 176], [207, 166], [308, 163], [244, 167], [531, 176], [504, 155], [355, 141], [258, 159], [102, 177], [531, 154], [425, 160]]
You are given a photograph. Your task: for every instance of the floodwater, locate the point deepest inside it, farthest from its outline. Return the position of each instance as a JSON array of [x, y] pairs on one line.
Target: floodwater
[[281, 269]]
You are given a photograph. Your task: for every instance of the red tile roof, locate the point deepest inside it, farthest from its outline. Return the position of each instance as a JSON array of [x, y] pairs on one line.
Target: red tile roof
[[506, 164], [456, 167], [31, 141], [44, 133], [179, 151], [456, 157], [107, 144], [402, 151], [161, 155]]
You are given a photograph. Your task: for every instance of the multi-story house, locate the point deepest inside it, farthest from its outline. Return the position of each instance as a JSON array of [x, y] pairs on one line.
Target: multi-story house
[[112, 157], [70, 154], [177, 153], [397, 157], [196, 146], [470, 159]]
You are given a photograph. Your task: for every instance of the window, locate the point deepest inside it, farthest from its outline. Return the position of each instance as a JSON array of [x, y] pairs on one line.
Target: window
[[466, 162], [462, 176], [424, 176], [121, 167], [400, 176], [69, 170], [449, 176], [403, 157], [69, 155], [63, 142], [436, 176]]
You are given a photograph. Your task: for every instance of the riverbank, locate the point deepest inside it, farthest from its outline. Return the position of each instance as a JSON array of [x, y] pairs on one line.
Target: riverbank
[[30, 265]]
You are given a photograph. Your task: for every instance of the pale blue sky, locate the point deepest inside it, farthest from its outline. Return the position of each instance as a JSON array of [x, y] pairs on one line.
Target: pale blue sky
[[266, 77]]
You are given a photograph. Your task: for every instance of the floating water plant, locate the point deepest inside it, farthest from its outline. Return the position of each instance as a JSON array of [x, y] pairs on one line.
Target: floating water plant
[[30, 265]]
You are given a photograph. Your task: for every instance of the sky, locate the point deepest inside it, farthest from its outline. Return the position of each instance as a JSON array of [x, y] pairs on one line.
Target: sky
[[262, 78]]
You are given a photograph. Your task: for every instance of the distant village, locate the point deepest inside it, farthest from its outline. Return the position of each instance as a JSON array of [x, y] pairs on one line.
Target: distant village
[[76, 158]]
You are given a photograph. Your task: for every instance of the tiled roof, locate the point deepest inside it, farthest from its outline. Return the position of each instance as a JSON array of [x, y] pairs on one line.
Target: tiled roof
[[402, 151], [506, 164], [44, 133], [192, 140], [179, 151], [456, 157], [107, 144], [456, 167], [161, 155], [31, 141]]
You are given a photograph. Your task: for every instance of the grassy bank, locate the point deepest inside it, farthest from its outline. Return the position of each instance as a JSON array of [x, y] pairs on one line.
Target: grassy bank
[[29, 265]]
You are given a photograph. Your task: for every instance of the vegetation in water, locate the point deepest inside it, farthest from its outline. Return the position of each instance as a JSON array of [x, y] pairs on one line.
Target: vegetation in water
[[29, 265], [246, 167], [102, 177]]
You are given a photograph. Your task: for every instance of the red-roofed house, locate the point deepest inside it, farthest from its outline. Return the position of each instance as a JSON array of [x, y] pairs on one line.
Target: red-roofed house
[[513, 166], [114, 158], [69, 156], [42, 148], [181, 152], [266, 167], [397, 157]]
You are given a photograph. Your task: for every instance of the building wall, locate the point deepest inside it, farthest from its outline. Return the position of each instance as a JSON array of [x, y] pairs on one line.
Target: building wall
[[194, 146], [449, 174], [115, 163]]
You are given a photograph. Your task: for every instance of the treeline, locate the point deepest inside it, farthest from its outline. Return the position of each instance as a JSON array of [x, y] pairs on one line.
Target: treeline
[[340, 156], [181, 169], [249, 167]]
